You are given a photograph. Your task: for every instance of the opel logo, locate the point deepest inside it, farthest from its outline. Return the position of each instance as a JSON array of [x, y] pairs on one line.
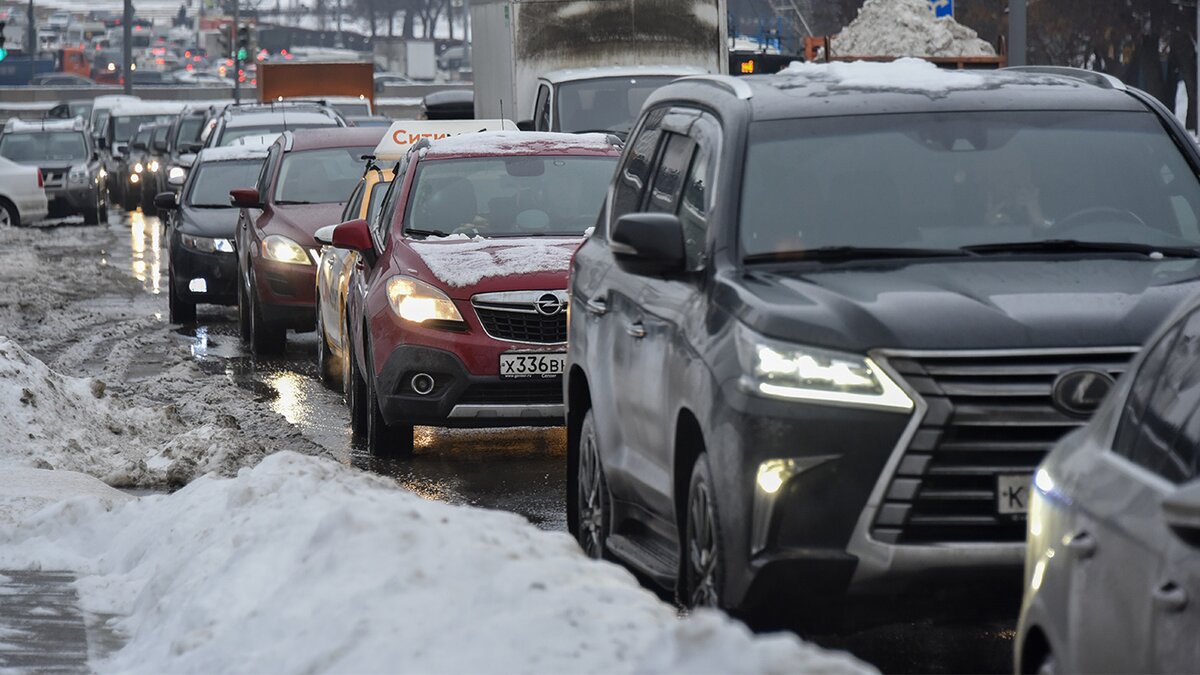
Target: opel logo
[[1079, 393], [548, 305]]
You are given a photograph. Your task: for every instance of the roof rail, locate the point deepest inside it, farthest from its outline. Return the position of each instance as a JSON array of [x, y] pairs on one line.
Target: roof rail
[[735, 86], [1092, 77]]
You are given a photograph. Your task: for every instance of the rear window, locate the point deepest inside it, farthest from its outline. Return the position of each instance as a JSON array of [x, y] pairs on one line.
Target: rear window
[[55, 145], [508, 196], [213, 181], [231, 135], [319, 176]]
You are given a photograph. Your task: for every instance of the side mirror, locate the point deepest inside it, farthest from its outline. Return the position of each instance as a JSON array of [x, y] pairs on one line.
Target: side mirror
[[1181, 510], [354, 235], [649, 244], [245, 198], [324, 235], [166, 201], [193, 147], [525, 125]]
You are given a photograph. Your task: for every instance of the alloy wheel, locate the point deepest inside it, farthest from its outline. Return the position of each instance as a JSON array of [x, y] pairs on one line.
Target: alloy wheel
[[702, 549], [592, 494]]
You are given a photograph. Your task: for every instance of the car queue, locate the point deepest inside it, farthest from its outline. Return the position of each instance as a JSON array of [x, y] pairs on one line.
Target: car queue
[[908, 366]]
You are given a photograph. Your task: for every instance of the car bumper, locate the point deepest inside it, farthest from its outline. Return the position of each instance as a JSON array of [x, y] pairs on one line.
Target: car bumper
[[287, 293], [72, 199], [461, 398], [217, 271], [32, 207]]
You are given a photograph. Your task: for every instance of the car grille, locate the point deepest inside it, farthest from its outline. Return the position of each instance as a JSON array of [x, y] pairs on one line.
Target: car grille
[[539, 391], [987, 416], [516, 316]]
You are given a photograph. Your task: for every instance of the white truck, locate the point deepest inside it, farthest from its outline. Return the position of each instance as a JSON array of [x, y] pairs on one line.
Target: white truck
[[588, 65]]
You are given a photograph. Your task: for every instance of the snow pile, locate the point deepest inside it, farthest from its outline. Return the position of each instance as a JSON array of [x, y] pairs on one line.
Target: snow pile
[[907, 74], [303, 565], [464, 263], [26, 491], [52, 421], [907, 28]]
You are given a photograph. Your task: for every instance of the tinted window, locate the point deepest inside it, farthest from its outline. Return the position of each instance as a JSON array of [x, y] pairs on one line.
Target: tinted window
[[125, 127], [668, 179], [604, 104], [319, 176], [354, 204], [1141, 390], [509, 196], [231, 135], [376, 201], [634, 174], [541, 109], [57, 145], [965, 178], [160, 134], [693, 207], [189, 130], [213, 181]]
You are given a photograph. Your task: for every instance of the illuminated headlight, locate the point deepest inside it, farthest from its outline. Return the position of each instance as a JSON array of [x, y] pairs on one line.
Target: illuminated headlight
[[138, 168], [206, 244], [103, 173], [176, 173], [416, 301], [78, 174], [801, 373], [281, 249], [153, 166], [111, 67], [134, 178]]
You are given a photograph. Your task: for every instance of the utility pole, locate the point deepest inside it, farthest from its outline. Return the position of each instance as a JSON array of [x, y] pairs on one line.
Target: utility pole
[[1017, 26], [237, 63], [127, 46]]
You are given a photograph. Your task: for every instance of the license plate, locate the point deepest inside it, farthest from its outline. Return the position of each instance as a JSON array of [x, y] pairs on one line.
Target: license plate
[[532, 364], [1012, 493]]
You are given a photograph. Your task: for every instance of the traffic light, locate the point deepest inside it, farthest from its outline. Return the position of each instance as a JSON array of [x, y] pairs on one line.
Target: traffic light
[[3, 51], [243, 37]]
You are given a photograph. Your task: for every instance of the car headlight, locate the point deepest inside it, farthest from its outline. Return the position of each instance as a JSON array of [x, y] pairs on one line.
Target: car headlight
[[134, 178], [103, 172], [281, 249], [78, 174], [138, 168], [802, 373], [153, 166], [176, 173], [206, 244], [416, 301]]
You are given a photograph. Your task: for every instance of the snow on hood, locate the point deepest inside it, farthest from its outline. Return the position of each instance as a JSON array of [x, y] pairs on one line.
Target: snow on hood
[[906, 75], [907, 28], [460, 262], [305, 565], [521, 143]]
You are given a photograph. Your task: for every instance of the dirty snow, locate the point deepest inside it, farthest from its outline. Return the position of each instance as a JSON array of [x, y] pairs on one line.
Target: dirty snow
[[522, 143], [464, 263], [24, 492], [907, 74], [333, 570], [907, 28]]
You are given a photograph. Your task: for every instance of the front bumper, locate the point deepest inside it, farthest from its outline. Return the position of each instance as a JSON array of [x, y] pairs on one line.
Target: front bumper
[[71, 200], [460, 398], [218, 270], [287, 293]]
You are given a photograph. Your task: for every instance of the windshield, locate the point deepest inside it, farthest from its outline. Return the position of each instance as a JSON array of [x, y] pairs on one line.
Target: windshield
[[214, 180], [509, 196], [607, 104], [125, 127], [231, 135], [320, 176], [189, 130], [944, 181], [54, 145]]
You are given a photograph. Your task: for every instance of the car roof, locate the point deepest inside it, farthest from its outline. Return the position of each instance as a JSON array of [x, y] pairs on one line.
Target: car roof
[[232, 152], [292, 116], [508, 143], [136, 108], [334, 137], [16, 125], [906, 86], [572, 74]]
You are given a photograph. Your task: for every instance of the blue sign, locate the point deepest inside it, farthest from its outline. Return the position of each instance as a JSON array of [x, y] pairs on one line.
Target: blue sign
[[942, 7]]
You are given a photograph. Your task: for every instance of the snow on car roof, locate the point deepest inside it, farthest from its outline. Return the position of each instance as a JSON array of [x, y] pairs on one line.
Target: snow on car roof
[[403, 134], [289, 117], [132, 108], [232, 152], [18, 125], [571, 74], [462, 263], [905, 75], [523, 143]]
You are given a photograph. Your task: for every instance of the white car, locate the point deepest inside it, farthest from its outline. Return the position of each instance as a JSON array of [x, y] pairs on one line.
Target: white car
[[22, 195]]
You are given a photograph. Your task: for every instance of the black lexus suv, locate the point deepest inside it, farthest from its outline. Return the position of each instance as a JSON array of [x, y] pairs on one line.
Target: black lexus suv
[[830, 321]]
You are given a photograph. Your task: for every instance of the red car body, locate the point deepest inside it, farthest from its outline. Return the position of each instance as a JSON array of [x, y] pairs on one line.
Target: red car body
[[274, 296], [462, 361]]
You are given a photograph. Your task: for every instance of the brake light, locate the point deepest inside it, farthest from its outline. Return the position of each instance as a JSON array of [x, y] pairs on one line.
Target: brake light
[[41, 180]]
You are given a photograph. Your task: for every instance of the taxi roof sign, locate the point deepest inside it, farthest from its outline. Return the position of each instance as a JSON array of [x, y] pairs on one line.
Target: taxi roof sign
[[404, 134]]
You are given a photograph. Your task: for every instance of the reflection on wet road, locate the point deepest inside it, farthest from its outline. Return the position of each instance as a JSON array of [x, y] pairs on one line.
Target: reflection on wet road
[[519, 470]]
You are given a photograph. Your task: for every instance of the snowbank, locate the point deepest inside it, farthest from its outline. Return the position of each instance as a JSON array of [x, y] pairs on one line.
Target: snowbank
[[462, 263], [303, 565], [52, 421], [26, 491], [907, 74], [907, 28]]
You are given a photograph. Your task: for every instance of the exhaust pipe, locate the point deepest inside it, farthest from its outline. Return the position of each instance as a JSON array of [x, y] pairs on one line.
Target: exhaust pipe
[[422, 383]]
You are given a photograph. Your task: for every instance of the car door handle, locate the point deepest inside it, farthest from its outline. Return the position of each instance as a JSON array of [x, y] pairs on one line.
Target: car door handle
[[636, 329], [597, 305], [1081, 545], [1170, 597]]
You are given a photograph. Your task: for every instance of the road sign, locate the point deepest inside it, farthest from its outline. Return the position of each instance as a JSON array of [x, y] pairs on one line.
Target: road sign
[[942, 7]]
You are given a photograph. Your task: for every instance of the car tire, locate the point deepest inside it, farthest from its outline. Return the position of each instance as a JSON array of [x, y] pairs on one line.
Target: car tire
[[383, 439], [327, 365], [265, 338], [243, 308], [591, 493], [8, 215], [356, 395], [179, 311], [702, 561], [128, 201], [96, 215]]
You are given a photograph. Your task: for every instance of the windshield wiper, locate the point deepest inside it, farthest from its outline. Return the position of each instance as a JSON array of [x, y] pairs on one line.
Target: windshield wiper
[[426, 233], [1076, 246], [843, 253], [287, 202]]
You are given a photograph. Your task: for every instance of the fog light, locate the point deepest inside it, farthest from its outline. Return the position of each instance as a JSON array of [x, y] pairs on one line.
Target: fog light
[[198, 286], [772, 474]]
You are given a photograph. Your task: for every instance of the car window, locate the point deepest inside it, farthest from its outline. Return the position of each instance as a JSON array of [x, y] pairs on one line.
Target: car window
[[319, 176], [160, 134], [604, 104], [668, 177], [693, 207], [376, 200], [634, 173], [231, 135], [189, 130], [210, 188], [1163, 397], [56, 145], [354, 204], [541, 109]]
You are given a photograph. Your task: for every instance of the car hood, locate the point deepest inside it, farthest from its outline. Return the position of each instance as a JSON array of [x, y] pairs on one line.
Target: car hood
[[218, 223], [962, 304], [300, 221], [464, 266]]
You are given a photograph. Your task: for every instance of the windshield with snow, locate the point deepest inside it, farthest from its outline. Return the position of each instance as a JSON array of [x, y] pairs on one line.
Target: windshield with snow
[[953, 180], [320, 176], [508, 196], [50, 146], [605, 104], [214, 180]]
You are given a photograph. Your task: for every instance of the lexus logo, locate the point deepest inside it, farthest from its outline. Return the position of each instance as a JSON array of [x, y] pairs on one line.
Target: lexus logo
[[1079, 393], [549, 305]]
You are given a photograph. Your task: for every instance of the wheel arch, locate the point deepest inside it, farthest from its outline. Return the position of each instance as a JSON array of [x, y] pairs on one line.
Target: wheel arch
[[689, 446], [5, 201], [1034, 650]]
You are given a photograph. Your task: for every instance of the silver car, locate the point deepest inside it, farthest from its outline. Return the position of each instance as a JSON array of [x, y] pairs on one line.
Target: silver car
[[1112, 567]]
